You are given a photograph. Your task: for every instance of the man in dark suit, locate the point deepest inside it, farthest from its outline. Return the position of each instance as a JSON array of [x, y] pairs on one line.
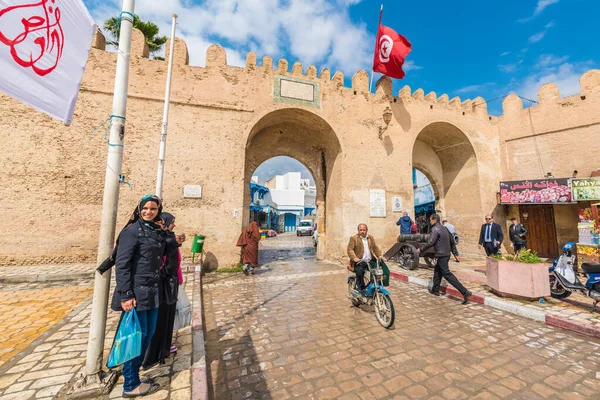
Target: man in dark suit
[[517, 233], [491, 236]]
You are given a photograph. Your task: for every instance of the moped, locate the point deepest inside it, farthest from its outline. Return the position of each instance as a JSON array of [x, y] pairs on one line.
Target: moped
[[564, 281], [374, 294]]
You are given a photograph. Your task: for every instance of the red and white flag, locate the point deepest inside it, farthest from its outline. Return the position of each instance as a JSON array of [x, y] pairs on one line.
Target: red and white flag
[[44, 47], [391, 49]]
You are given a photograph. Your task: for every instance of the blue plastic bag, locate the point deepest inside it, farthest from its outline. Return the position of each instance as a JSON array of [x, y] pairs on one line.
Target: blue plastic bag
[[128, 340]]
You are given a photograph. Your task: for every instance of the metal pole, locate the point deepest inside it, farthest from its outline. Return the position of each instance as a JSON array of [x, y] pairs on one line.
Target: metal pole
[[376, 46], [110, 202], [163, 134]]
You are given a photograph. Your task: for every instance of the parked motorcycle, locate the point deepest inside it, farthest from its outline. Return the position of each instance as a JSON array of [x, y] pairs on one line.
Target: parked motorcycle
[[564, 281], [374, 294]]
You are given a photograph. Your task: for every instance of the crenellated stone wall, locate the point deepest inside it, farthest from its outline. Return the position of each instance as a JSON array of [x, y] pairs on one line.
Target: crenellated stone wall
[[558, 135], [224, 121]]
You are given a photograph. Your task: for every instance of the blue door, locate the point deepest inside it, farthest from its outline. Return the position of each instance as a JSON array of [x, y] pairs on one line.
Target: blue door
[[289, 223]]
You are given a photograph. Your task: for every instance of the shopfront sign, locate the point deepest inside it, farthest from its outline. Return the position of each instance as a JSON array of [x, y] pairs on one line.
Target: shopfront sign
[[537, 191], [586, 189]]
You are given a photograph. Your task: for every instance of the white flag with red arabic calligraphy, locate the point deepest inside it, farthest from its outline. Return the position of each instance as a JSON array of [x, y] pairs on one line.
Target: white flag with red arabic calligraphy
[[44, 47]]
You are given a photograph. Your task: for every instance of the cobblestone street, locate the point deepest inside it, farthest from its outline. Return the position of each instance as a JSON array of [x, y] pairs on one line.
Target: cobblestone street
[[290, 332], [286, 246]]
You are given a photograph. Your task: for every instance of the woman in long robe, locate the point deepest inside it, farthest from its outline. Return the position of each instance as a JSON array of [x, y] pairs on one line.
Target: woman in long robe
[[248, 241]]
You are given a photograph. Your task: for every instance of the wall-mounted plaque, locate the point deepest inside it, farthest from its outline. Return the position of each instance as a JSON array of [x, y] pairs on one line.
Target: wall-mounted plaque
[[297, 91], [396, 204], [192, 191], [378, 203]]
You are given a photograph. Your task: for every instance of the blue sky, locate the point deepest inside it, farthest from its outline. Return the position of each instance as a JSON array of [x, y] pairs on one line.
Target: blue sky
[[463, 48]]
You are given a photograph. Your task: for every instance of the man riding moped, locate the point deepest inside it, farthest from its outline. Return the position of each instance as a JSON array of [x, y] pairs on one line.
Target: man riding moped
[[362, 250]]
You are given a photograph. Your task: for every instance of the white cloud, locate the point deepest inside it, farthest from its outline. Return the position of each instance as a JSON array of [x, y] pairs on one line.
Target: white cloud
[[279, 166], [411, 66], [474, 88], [537, 37], [565, 76], [505, 53], [540, 35], [541, 5], [311, 31], [508, 68], [547, 60], [348, 2]]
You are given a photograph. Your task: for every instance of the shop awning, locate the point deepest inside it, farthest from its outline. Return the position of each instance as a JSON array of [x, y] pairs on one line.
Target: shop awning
[[260, 189]]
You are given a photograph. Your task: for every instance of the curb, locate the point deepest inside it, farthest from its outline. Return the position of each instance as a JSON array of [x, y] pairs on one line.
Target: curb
[[199, 373], [46, 277], [517, 309]]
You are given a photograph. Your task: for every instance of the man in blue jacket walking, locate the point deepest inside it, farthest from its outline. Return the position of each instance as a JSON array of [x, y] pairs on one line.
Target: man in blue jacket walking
[[405, 223]]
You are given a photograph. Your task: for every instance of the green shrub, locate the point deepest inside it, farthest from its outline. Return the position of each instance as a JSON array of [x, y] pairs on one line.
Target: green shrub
[[528, 256], [524, 256]]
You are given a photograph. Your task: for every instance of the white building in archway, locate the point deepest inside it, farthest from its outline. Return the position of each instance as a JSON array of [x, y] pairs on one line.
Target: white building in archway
[[286, 192]]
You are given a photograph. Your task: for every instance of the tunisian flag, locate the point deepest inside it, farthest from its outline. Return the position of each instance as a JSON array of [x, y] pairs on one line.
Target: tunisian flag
[[390, 51], [44, 47]]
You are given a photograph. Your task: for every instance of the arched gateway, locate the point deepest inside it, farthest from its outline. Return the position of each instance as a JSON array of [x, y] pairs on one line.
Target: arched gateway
[[447, 157], [225, 121], [307, 137]]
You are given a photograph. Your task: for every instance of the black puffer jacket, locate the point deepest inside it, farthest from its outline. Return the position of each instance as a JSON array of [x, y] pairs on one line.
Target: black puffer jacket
[[442, 240], [137, 266]]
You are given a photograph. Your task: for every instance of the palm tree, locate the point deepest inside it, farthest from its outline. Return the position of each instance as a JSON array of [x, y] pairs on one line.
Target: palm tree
[[149, 29]]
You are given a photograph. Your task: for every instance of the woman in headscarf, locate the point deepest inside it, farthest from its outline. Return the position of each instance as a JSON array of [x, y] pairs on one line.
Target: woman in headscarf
[[170, 273], [142, 246], [248, 241]]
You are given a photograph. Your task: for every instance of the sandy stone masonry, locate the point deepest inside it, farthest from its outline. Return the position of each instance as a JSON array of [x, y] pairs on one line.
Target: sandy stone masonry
[[225, 121]]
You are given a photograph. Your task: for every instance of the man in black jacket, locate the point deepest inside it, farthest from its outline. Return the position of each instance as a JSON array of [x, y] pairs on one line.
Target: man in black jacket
[[517, 233], [491, 236], [443, 243]]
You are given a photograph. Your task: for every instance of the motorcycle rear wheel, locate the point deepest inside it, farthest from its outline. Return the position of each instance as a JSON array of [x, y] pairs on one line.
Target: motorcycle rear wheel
[[384, 310], [557, 290]]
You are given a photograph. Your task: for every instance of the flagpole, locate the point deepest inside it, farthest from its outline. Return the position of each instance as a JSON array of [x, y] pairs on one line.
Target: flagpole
[[376, 46], [96, 381], [163, 134]]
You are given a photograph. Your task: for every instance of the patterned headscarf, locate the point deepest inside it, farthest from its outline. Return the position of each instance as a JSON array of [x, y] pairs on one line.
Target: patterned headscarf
[[135, 216]]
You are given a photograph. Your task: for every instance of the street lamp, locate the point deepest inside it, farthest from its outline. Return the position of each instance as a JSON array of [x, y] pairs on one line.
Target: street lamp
[[387, 118]]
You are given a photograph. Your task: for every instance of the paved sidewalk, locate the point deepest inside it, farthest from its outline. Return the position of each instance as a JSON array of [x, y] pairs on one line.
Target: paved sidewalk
[[29, 311], [43, 273], [43, 368], [572, 313]]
